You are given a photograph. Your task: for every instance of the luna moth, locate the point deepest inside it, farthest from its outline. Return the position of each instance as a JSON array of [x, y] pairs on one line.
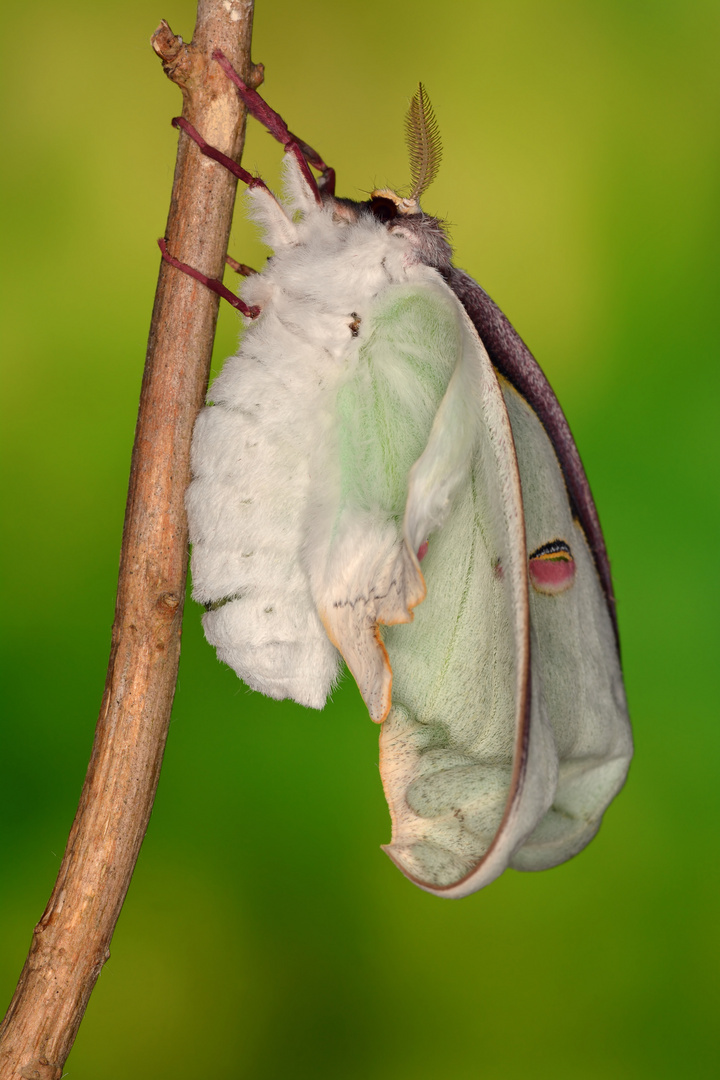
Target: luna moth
[[382, 474]]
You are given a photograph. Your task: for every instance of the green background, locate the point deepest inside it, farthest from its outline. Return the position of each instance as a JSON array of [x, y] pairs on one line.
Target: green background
[[265, 935]]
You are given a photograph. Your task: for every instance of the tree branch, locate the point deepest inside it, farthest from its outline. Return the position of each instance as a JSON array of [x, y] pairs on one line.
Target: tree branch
[[71, 941]]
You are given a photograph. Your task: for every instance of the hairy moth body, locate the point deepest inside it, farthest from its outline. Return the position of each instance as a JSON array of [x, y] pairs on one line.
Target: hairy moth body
[[371, 481]]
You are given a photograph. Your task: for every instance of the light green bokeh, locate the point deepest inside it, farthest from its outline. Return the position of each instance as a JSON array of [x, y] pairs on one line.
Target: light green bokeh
[[265, 935]]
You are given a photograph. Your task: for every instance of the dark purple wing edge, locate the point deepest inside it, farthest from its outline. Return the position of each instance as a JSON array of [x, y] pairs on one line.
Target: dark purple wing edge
[[512, 358]]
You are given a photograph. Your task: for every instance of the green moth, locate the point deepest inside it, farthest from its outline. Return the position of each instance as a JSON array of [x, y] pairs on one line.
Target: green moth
[[383, 475]]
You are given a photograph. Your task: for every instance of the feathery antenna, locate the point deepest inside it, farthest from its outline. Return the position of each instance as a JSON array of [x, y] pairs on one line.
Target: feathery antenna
[[423, 141]]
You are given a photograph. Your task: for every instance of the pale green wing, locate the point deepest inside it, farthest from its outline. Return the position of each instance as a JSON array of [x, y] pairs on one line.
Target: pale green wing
[[466, 774], [487, 759], [367, 575], [508, 735], [576, 666]]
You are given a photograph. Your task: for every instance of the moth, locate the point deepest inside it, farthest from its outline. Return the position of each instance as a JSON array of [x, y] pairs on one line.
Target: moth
[[383, 475]]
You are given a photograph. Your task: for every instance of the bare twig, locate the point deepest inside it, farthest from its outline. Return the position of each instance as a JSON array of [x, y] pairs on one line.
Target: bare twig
[[71, 941]]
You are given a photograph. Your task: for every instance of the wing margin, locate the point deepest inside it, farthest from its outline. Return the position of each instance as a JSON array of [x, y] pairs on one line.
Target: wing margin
[[512, 358]]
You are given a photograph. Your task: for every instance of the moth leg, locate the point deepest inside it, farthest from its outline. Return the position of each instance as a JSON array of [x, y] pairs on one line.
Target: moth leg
[[239, 268], [285, 231], [253, 182], [214, 284], [279, 130], [217, 155]]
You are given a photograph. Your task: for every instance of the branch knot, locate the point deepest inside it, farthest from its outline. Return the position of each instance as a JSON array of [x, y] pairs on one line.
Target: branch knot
[[178, 59]]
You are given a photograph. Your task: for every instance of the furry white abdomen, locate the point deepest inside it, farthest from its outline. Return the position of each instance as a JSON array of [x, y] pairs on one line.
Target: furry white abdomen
[[247, 511]]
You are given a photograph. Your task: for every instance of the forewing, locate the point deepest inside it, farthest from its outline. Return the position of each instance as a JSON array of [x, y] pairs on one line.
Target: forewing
[[362, 571], [513, 360], [467, 760]]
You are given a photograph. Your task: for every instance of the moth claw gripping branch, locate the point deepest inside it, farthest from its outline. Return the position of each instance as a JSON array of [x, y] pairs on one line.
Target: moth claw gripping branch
[[302, 151]]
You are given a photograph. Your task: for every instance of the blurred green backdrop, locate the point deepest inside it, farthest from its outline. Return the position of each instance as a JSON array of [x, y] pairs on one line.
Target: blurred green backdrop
[[265, 935]]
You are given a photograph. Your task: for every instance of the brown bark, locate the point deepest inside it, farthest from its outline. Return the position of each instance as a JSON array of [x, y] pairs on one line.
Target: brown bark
[[71, 942]]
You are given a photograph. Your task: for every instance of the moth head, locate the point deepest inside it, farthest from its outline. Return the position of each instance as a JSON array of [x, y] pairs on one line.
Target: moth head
[[403, 217], [402, 214], [422, 135], [387, 205]]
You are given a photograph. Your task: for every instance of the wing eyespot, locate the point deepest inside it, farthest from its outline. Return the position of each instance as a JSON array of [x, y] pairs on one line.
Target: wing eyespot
[[552, 568]]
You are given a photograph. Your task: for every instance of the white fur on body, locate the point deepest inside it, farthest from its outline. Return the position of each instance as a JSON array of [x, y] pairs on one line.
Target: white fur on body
[[360, 417], [263, 503]]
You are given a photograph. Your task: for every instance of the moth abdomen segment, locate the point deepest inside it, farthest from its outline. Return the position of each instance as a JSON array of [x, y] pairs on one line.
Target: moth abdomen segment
[[215, 605]]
